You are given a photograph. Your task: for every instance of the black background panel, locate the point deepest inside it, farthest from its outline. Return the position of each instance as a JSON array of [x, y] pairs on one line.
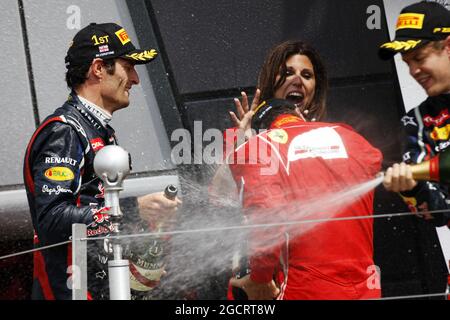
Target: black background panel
[[222, 44]]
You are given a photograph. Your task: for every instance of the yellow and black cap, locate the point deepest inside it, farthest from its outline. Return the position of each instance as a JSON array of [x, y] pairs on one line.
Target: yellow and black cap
[[417, 25], [106, 41]]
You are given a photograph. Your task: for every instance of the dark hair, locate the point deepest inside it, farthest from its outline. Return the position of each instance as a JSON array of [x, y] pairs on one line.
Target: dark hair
[[275, 64], [438, 45], [270, 117], [77, 75]]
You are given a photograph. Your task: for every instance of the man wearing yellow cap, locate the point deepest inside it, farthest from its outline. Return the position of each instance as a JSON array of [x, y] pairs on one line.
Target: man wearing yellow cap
[[423, 38], [62, 187]]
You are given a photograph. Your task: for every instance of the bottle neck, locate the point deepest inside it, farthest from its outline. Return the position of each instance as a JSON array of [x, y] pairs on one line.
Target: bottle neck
[[421, 171], [427, 170]]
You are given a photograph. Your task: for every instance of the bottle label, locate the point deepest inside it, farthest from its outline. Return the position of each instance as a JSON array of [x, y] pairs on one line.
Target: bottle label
[[146, 263], [434, 169]]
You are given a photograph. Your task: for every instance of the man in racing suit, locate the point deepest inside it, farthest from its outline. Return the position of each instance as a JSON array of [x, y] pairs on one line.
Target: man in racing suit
[[61, 185], [299, 171], [423, 39]]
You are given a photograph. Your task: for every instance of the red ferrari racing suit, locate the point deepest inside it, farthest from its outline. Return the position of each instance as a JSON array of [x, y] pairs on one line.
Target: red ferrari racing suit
[[316, 162]]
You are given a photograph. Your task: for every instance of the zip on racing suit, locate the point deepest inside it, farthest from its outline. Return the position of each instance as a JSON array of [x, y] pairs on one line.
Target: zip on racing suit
[[316, 162], [62, 189], [427, 128]]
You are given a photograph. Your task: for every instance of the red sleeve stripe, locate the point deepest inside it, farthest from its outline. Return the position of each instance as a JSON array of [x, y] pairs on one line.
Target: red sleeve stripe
[[40, 273], [28, 176]]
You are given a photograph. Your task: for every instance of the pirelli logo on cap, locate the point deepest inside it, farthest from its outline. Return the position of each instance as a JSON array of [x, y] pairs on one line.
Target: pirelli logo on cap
[[59, 174], [123, 36], [410, 21], [441, 30]]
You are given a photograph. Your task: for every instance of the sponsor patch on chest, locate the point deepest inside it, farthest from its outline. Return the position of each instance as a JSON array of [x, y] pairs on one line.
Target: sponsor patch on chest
[[97, 144], [322, 142]]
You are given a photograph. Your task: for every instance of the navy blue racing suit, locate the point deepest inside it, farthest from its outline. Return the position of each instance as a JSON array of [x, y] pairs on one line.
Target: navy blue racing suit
[[62, 189], [428, 132]]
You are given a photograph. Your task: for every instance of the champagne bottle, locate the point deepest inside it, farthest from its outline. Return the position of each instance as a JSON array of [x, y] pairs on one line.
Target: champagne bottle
[[241, 264], [436, 169], [240, 268], [148, 256]]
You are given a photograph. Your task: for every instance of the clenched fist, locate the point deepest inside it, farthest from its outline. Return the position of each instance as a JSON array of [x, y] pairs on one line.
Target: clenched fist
[[157, 209]]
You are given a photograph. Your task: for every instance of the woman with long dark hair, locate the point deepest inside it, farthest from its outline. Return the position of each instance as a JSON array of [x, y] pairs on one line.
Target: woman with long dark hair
[[293, 70], [300, 175]]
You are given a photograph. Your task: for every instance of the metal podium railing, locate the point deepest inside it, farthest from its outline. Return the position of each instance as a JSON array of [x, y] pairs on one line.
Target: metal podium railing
[[79, 262]]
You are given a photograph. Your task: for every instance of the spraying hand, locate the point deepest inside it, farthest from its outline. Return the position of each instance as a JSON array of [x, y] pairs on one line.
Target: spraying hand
[[256, 290], [158, 209], [399, 178], [403, 177]]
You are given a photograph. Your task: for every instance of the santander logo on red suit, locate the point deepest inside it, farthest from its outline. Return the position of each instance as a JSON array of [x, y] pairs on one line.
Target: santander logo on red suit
[[322, 142]]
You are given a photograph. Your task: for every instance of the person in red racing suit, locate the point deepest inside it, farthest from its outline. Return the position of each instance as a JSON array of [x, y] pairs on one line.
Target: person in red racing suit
[[62, 187], [331, 260]]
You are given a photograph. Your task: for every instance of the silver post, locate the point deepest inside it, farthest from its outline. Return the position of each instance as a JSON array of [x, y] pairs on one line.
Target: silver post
[[112, 165], [447, 291], [79, 262]]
